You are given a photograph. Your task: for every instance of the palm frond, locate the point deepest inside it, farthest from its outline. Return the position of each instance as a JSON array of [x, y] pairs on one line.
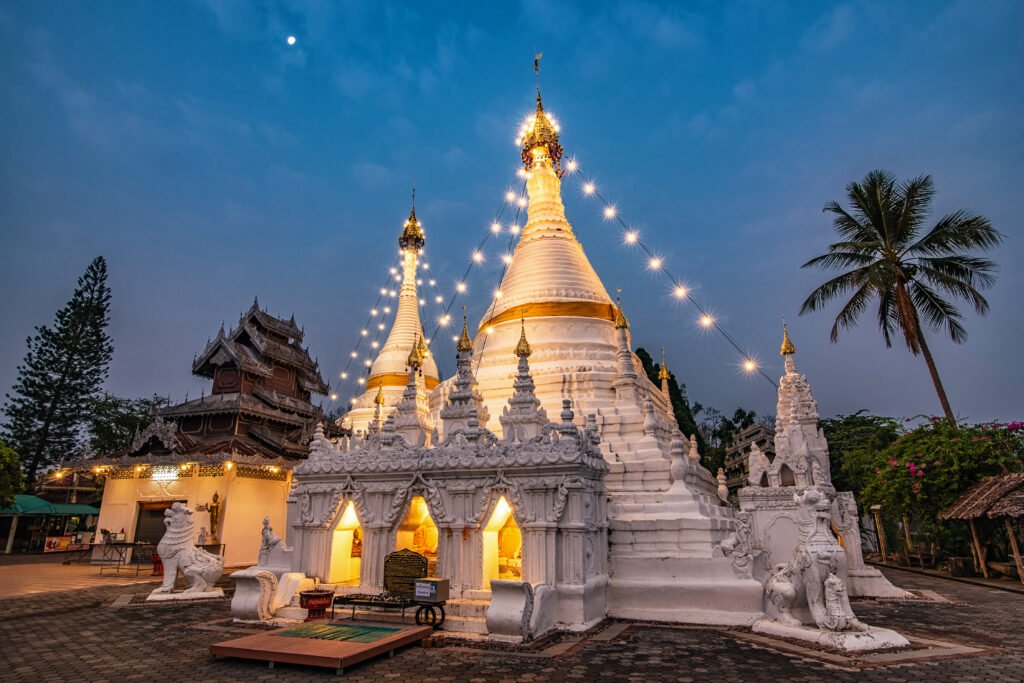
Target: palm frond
[[951, 279], [850, 227], [849, 313], [840, 258], [834, 288], [937, 312], [956, 233], [887, 317], [916, 198]]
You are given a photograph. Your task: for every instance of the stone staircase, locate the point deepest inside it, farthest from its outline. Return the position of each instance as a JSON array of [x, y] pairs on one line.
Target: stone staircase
[[467, 615]]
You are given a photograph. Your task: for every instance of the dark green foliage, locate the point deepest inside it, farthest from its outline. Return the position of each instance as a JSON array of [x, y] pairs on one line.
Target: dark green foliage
[[677, 393], [113, 421], [913, 278], [853, 443], [10, 475], [60, 376], [719, 432]]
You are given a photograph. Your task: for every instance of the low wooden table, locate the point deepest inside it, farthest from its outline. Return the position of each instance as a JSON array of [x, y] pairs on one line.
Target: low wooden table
[[333, 646]]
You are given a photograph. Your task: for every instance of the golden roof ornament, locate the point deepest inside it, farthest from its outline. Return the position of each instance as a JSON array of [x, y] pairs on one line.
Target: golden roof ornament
[[787, 348], [415, 359], [620, 318], [541, 132], [465, 343], [379, 398], [421, 348], [412, 232], [523, 347], [663, 373]]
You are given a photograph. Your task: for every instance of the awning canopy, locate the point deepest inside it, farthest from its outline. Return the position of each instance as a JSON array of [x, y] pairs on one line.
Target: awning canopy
[[1000, 496], [34, 505]]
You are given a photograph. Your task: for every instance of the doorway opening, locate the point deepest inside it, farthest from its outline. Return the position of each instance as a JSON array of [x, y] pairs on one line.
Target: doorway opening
[[346, 548], [503, 545]]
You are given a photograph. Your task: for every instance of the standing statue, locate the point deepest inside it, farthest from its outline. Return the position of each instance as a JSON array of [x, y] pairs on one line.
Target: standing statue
[[177, 551], [268, 543], [214, 510]]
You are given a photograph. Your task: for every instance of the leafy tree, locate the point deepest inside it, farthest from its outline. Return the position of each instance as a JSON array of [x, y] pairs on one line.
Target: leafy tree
[[853, 443], [113, 421], [719, 432], [10, 475], [60, 375], [676, 393], [908, 274]]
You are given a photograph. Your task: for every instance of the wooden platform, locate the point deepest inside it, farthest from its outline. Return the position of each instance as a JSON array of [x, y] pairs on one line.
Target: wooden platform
[[334, 646]]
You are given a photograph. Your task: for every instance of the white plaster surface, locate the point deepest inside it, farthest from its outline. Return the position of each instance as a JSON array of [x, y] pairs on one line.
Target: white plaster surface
[[848, 641]]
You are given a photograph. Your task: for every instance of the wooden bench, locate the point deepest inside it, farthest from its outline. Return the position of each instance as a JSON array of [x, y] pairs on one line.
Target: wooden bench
[[401, 570]]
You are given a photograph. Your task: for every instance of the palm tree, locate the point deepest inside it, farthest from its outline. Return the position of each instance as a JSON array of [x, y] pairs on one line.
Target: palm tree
[[913, 277]]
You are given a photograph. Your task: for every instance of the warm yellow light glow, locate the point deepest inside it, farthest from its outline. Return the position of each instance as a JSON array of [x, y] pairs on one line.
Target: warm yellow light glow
[[478, 257], [375, 344], [367, 362], [588, 188], [749, 365], [334, 397], [383, 291], [631, 237], [344, 375], [373, 311], [438, 299], [348, 518], [654, 263], [364, 332], [495, 228], [229, 464], [423, 302], [380, 326], [609, 212], [426, 266], [571, 165], [680, 292], [433, 283], [460, 287], [521, 202], [510, 196], [60, 475], [455, 337], [706, 320], [362, 381], [387, 309], [497, 294], [507, 258], [138, 468], [514, 229], [391, 293], [394, 271], [354, 354], [490, 330]]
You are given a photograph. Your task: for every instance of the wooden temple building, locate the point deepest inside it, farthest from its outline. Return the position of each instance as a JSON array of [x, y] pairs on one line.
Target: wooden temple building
[[229, 454]]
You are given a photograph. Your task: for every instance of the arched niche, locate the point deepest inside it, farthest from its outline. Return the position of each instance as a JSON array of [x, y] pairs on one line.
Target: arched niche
[[418, 532], [786, 476], [502, 545], [346, 548]]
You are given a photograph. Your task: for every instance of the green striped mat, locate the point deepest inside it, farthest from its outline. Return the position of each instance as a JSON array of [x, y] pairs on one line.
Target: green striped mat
[[355, 634]]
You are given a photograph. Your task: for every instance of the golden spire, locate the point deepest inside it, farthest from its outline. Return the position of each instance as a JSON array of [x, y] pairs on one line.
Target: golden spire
[[523, 347], [787, 346], [541, 133], [465, 343], [379, 398], [412, 232], [620, 318], [421, 348], [415, 359], [663, 373]]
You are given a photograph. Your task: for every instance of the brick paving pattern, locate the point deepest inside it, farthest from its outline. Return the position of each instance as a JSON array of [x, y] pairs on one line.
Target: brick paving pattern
[[77, 635]]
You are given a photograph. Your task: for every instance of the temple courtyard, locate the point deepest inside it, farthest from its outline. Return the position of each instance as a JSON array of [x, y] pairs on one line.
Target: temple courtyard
[[102, 630]]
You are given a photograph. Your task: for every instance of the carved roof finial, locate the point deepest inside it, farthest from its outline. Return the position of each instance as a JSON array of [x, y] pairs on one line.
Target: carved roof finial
[[663, 373], [541, 132], [465, 343], [412, 232], [620, 318], [787, 348], [523, 347], [379, 398]]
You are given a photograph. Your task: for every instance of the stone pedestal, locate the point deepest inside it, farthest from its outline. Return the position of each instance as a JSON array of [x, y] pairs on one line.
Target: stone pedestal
[[846, 641]]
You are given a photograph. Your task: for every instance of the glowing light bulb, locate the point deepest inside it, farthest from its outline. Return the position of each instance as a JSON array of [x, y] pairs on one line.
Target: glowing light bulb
[[514, 229], [438, 299], [355, 355], [362, 381], [383, 292], [507, 258], [495, 228], [490, 330], [497, 294], [588, 188], [510, 196], [631, 237], [680, 292], [706, 320], [373, 311], [392, 293], [387, 309], [572, 165], [334, 397], [380, 326], [521, 173], [460, 287], [344, 375], [609, 212], [433, 283], [654, 263], [426, 266], [455, 337], [419, 282], [364, 332], [367, 362], [423, 302], [478, 257], [445, 319], [291, 40], [749, 365], [521, 202], [375, 344], [393, 271]]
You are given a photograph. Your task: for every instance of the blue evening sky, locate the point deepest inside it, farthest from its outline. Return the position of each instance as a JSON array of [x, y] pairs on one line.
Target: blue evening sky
[[209, 161]]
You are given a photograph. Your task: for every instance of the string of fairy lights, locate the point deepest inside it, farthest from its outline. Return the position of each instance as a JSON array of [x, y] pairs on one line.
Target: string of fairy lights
[[515, 199]]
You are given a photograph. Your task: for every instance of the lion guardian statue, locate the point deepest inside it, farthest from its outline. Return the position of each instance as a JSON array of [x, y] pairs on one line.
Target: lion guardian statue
[[178, 551]]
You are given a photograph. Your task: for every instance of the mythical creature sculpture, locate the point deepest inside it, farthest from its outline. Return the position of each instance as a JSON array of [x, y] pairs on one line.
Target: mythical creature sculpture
[[177, 551], [812, 571]]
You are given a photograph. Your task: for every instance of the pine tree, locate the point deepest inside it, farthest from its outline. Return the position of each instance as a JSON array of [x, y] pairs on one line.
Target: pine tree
[[62, 373]]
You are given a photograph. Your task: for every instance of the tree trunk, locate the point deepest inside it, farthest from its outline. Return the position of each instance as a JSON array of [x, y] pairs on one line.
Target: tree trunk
[[926, 352]]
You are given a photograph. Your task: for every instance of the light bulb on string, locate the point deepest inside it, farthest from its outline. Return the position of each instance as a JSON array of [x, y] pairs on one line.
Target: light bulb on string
[[374, 344], [334, 397], [383, 291], [380, 326], [495, 228], [571, 165], [707, 321], [373, 311], [631, 237], [478, 257], [589, 188], [433, 283], [514, 229], [680, 292], [521, 202], [355, 355], [364, 332], [460, 287], [392, 293], [367, 362], [426, 266], [750, 365], [654, 263], [438, 299], [362, 381], [510, 196], [393, 271], [609, 212], [344, 375], [507, 258], [497, 294]]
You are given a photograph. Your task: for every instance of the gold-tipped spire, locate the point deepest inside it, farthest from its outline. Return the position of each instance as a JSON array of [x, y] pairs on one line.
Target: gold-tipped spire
[[787, 348], [379, 398], [465, 343], [415, 359], [663, 373], [523, 347], [412, 232], [620, 318], [421, 348], [541, 133]]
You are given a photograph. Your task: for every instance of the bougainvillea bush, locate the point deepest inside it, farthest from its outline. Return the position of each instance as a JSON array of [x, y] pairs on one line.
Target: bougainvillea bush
[[928, 468]]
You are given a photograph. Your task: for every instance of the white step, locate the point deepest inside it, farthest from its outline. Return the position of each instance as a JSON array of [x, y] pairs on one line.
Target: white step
[[467, 608], [464, 624]]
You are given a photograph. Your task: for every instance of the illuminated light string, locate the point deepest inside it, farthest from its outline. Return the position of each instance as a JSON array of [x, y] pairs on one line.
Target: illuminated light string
[[657, 263]]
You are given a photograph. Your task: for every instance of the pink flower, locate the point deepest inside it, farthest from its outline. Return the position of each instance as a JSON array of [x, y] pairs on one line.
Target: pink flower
[[920, 473], [893, 463], [1014, 426]]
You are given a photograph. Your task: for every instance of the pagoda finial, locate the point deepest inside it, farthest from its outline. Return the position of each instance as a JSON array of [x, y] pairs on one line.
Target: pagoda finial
[[255, 302], [414, 359], [620, 318], [465, 343], [787, 348], [412, 232], [523, 347], [379, 398], [540, 132], [663, 373]]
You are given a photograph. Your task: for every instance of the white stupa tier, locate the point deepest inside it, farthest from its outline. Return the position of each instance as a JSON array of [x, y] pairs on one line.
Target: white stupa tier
[[389, 373]]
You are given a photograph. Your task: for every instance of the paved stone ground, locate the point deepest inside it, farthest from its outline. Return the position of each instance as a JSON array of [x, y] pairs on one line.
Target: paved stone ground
[[28, 574], [76, 635]]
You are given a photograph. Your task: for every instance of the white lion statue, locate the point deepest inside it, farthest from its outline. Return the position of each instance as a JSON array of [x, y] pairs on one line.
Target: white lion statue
[[178, 551]]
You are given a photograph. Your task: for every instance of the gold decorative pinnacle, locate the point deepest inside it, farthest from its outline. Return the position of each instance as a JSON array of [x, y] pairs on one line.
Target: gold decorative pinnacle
[[465, 343], [541, 133], [663, 373], [523, 347], [412, 232], [415, 359], [620, 318], [787, 348], [379, 398]]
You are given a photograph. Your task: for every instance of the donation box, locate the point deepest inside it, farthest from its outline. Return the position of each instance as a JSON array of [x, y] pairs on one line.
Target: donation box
[[431, 590]]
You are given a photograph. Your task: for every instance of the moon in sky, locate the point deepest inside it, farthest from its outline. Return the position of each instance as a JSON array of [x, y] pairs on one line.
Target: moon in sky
[[291, 40]]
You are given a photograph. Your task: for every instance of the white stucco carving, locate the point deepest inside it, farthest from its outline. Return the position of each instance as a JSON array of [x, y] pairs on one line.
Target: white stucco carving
[[177, 551]]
